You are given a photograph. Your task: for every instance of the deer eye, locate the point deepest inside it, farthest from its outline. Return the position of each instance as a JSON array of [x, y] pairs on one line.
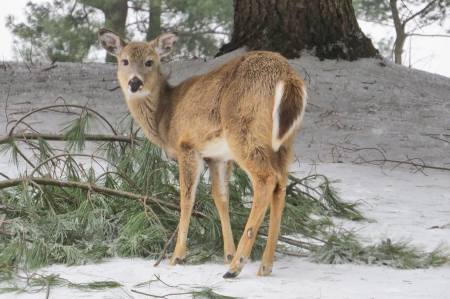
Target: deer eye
[[125, 62], [148, 63]]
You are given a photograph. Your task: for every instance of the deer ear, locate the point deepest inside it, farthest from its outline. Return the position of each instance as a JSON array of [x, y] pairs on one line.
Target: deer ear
[[166, 42], [111, 41]]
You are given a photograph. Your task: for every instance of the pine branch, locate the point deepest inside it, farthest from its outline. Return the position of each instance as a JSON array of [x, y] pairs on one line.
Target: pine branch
[[62, 105], [60, 137], [95, 188]]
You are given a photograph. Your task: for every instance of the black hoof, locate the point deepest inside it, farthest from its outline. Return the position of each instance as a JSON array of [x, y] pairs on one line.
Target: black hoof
[[230, 275], [178, 261]]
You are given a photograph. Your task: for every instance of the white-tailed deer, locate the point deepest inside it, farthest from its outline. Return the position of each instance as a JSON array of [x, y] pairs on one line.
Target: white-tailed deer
[[246, 111]]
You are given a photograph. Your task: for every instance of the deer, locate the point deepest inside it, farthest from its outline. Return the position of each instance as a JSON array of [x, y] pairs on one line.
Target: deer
[[246, 111]]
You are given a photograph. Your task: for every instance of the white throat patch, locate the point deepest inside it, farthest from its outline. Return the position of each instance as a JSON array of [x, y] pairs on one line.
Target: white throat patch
[[136, 95]]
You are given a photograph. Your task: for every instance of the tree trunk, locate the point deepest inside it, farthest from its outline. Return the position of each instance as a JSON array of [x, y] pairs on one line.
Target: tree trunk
[[115, 20], [154, 28], [400, 32], [327, 27]]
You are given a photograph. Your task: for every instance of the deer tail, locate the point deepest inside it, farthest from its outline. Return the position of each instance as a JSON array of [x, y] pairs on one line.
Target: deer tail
[[288, 111]]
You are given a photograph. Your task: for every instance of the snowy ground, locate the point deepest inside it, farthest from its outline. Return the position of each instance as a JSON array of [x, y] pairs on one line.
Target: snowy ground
[[364, 104]]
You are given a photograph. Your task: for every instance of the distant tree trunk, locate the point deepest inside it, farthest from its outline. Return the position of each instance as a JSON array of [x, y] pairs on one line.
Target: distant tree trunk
[[400, 33], [116, 12], [115, 20], [154, 29], [327, 27]]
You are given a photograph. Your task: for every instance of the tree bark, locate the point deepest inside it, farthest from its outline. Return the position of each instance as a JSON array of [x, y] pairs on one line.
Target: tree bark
[[154, 28], [115, 20], [116, 12], [400, 33], [328, 28]]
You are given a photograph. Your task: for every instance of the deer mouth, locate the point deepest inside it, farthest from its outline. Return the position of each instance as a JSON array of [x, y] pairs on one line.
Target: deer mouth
[[135, 84]]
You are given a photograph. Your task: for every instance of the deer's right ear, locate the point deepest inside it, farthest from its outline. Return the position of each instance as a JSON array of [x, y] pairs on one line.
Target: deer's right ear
[[111, 41]]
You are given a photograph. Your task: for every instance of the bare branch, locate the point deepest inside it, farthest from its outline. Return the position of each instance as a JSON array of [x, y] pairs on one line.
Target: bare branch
[[419, 12], [428, 35]]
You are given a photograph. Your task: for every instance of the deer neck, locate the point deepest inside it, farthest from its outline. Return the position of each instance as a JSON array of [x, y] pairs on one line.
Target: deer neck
[[149, 110]]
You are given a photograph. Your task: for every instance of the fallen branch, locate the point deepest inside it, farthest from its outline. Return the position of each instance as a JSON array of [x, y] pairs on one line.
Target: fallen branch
[[163, 252], [381, 162], [92, 187], [60, 137]]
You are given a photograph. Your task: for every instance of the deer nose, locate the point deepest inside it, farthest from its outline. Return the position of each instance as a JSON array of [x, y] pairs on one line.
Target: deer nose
[[135, 84]]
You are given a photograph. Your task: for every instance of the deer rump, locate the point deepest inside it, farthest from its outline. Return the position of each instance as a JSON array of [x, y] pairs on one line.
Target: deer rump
[[255, 96]]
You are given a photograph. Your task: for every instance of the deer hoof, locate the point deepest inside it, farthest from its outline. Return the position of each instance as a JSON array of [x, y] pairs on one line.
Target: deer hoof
[[231, 274], [177, 261], [265, 270]]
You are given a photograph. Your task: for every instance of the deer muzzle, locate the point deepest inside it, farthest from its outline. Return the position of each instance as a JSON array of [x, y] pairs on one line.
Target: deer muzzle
[[135, 84]]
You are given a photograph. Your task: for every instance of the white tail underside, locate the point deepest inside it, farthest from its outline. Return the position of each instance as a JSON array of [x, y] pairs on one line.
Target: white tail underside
[[277, 142]]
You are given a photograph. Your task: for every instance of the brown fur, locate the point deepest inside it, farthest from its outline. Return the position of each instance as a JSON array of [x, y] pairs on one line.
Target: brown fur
[[233, 102]]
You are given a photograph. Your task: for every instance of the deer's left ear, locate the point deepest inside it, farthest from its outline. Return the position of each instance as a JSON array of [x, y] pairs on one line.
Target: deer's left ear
[[166, 42]]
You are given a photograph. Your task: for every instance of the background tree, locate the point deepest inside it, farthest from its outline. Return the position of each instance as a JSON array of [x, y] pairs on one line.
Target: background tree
[[405, 16], [55, 31], [329, 28], [203, 23], [115, 15], [66, 30]]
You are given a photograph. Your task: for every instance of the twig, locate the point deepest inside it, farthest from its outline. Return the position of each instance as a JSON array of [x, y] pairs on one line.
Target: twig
[[428, 35], [289, 241], [5, 176], [23, 59], [160, 280], [163, 252], [32, 277], [293, 254], [306, 73], [441, 139], [112, 89], [162, 296], [49, 68], [14, 235], [384, 160], [7, 98]]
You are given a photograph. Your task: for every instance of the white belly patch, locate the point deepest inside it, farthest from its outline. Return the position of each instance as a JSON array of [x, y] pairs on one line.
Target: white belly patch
[[217, 149]]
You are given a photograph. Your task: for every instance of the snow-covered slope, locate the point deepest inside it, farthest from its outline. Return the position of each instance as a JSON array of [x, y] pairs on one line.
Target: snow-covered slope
[[369, 103]]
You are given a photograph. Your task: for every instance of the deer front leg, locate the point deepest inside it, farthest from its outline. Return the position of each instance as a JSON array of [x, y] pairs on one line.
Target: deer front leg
[[220, 172], [190, 165]]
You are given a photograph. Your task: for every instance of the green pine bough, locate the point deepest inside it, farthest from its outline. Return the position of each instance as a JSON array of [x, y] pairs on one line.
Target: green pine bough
[[78, 204]]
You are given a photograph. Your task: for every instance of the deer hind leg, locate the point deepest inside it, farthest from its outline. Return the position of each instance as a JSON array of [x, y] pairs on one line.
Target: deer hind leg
[[281, 164], [263, 185], [276, 210], [190, 165], [220, 177]]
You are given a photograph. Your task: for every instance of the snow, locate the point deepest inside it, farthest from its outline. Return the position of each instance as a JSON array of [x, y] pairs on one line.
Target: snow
[[371, 103]]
